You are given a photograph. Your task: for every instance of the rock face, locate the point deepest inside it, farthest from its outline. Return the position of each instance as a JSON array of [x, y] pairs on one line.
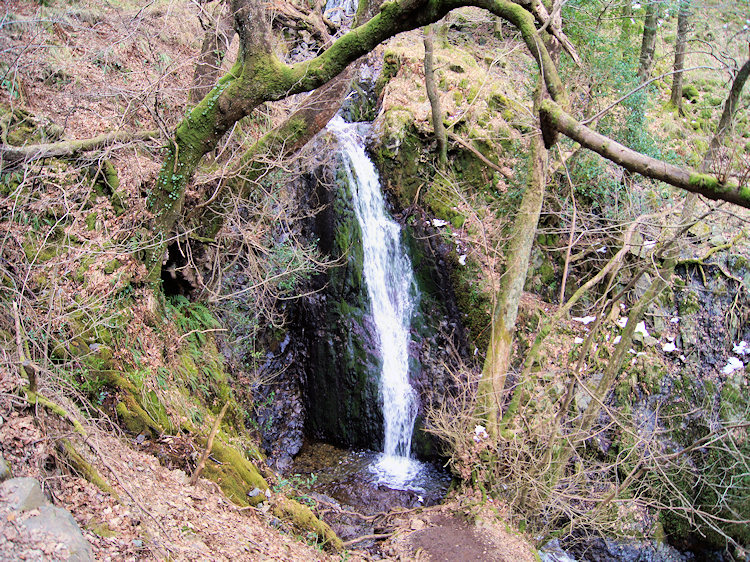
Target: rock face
[[336, 326], [42, 531], [342, 364]]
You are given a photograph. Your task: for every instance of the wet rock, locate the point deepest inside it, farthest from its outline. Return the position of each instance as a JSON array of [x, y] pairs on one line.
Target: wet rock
[[601, 550]]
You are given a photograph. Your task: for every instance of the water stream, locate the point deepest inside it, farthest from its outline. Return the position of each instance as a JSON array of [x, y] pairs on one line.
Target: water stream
[[393, 296]]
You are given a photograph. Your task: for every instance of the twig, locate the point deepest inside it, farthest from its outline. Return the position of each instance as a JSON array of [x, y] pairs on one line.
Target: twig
[[209, 445], [368, 537], [478, 154]]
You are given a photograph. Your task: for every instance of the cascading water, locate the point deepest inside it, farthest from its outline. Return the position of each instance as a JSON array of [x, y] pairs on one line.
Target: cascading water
[[392, 291]]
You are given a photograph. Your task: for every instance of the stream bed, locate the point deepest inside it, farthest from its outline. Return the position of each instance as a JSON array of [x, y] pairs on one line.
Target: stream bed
[[345, 476]]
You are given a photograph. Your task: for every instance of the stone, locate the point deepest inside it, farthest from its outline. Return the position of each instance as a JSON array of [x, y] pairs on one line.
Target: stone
[[22, 494], [5, 471], [581, 397], [417, 525], [59, 523]]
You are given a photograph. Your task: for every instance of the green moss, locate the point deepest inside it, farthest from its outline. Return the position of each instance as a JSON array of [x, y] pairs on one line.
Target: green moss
[[236, 475], [305, 520], [91, 221], [84, 468], [498, 102], [111, 266], [100, 529], [391, 66], [690, 93]]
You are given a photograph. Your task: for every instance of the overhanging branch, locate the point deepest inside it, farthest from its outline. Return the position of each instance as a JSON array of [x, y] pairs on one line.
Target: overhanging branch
[[554, 118]]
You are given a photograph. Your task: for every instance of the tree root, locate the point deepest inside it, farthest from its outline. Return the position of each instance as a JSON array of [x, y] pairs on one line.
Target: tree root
[[84, 468]]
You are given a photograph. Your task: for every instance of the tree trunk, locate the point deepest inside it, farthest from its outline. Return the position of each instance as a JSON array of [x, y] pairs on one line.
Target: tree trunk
[[432, 93], [505, 313], [648, 44], [679, 53], [218, 35]]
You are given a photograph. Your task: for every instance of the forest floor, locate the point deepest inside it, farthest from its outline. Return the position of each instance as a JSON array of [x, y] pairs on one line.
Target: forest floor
[[155, 514]]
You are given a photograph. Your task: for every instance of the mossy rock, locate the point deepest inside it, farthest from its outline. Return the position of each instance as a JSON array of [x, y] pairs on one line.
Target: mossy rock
[[19, 127], [391, 66], [690, 93], [498, 102], [305, 520]]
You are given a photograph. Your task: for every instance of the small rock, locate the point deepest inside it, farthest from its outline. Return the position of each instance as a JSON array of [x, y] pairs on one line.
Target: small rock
[[5, 472], [417, 525]]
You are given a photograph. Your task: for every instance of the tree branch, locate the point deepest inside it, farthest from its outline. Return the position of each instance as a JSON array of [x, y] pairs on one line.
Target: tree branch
[[12, 155], [555, 118]]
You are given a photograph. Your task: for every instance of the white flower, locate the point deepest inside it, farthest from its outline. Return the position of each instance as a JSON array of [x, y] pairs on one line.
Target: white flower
[[585, 320], [616, 340], [462, 259], [741, 348], [732, 365], [438, 222], [640, 328], [578, 340], [622, 321], [674, 320]]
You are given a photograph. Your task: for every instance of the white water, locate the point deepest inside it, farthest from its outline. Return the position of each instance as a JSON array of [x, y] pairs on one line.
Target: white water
[[390, 285]]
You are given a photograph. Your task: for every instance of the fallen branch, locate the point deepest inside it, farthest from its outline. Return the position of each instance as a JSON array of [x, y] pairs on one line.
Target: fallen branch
[[368, 537], [478, 154], [209, 445], [12, 155]]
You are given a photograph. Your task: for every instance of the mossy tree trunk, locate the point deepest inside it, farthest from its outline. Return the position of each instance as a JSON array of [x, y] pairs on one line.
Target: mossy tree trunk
[[434, 96], [683, 22], [648, 41], [505, 313]]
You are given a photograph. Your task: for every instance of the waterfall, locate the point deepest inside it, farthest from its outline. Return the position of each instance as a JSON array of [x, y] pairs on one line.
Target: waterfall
[[392, 291]]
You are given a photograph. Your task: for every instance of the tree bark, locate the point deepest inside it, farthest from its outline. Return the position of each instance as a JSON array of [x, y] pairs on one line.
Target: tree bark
[[432, 93], [497, 363], [701, 183], [216, 40], [13, 155], [648, 43], [683, 22]]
